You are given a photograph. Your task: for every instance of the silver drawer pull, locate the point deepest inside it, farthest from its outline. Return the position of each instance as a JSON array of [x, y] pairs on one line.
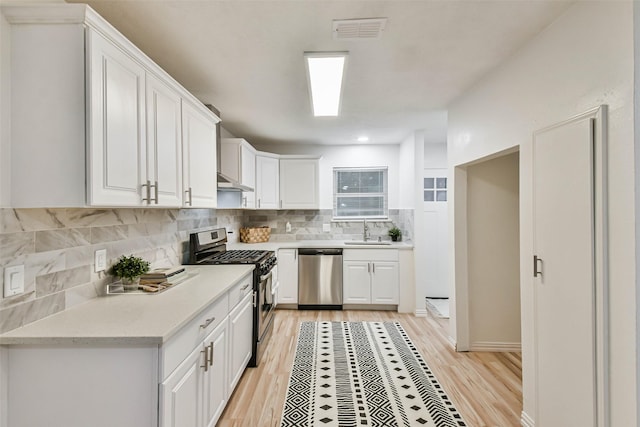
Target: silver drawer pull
[[207, 322], [244, 288]]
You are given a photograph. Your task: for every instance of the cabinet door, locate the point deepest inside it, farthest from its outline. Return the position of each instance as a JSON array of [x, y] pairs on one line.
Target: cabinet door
[[356, 282], [164, 144], [248, 176], [299, 183], [181, 393], [384, 282], [267, 177], [116, 125], [199, 161], [240, 334], [288, 276], [215, 391]]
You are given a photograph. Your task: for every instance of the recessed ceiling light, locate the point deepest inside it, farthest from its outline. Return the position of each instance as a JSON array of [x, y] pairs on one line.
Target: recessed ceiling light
[[325, 73], [363, 139]]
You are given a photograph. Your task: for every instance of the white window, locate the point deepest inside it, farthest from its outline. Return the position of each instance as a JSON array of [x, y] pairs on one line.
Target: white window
[[360, 193], [435, 189]]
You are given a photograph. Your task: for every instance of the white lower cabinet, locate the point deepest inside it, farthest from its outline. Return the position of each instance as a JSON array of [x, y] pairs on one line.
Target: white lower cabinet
[[288, 276], [241, 328], [196, 393], [370, 276]]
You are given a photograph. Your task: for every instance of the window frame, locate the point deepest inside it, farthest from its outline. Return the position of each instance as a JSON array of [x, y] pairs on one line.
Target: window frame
[[384, 194]]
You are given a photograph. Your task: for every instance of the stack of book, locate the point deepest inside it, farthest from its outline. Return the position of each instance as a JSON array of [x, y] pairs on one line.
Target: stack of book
[[161, 278]]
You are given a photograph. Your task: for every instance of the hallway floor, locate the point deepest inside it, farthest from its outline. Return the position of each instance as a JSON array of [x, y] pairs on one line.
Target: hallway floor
[[485, 387]]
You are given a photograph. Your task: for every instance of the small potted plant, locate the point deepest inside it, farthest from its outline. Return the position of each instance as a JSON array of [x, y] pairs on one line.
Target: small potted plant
[[395, 234], [129, 269]]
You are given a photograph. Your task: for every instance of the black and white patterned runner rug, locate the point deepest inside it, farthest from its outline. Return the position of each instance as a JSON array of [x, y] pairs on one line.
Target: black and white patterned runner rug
[[363, 374]]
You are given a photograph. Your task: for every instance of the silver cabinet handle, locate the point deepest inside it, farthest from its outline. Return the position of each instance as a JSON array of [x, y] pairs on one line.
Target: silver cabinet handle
[[206, 359], [210, 353], [280, 204], [189, 201], [244, 288], [373, 264], [258, 203], [368, 267], [537, 260], [207, 322], [155, 199], [147, 186]]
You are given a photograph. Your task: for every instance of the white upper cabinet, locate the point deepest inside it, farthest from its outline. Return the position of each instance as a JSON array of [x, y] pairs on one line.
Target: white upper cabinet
[[299, 183], [95, 122], [239, 164], [164, 144], [267, 178], [199, 151], [117, 140]]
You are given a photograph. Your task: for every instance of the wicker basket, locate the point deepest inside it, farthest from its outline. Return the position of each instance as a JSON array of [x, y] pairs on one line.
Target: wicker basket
[[255, 234]]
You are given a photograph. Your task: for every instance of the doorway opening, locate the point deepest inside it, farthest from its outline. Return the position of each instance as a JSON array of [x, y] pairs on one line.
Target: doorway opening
[[486, 312]]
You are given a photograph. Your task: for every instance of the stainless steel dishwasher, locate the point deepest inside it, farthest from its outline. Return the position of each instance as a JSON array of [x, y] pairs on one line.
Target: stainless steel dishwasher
[[319, 279]]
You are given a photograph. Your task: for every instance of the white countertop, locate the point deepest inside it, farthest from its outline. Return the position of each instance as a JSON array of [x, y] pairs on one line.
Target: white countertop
[[133, 319], [275, 245]]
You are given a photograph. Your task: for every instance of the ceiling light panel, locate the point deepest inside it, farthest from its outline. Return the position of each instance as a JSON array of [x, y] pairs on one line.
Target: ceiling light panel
[[325, 73], [358, 29]]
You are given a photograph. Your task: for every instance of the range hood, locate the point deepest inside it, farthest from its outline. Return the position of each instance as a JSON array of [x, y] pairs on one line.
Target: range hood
[[225, 183]]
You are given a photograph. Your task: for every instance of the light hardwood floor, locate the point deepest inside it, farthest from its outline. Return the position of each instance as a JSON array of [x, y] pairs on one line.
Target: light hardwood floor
[[485, 387]]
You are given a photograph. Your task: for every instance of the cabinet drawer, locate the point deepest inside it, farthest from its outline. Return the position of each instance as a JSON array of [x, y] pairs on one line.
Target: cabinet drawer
[[185, 340], [370, 255], [241, 290]]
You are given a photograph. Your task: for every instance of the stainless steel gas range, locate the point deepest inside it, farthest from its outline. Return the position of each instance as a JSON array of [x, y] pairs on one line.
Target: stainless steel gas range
[[210, 248]]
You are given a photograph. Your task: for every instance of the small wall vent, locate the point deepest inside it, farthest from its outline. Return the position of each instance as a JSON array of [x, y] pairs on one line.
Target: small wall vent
[[358, 29]]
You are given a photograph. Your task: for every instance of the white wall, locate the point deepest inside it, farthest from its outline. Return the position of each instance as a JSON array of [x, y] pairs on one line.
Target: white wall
[[494, 254], [435, 156], [346, 156], [5, 117], [582, 60], [407, 173]]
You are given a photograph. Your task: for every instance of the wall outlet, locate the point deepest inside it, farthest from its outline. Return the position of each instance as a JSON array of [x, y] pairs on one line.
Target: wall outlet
[[13, 280], [326, 228], [100, 261]]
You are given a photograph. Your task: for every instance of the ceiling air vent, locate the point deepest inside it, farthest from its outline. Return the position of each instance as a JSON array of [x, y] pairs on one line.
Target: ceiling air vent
[[358, 29]]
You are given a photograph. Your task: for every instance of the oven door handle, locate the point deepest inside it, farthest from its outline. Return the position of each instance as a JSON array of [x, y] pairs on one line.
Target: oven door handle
[[266, 276]]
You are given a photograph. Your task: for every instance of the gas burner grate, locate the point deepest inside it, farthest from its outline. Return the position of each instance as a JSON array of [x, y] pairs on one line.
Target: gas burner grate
[[239, 256]]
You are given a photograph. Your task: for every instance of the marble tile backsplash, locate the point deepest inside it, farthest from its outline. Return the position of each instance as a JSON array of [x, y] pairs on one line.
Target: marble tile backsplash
[[57, 246], [308, 225]]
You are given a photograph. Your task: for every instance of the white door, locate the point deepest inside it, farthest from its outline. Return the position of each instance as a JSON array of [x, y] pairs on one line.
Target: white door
[[299, 183], [267, 182], [356, 276], [181, 393], [117, 131], [435, 195], [215, 392], [240, 333], [288, 276], [164, 144], [248, 156], [565, 285], [384, 282], [199, 158]]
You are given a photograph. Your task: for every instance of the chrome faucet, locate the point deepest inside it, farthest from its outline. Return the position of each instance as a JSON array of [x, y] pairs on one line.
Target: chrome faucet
[[365, 230]]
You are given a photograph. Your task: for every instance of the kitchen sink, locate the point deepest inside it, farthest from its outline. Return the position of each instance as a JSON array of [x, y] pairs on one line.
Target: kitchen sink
[[367, 242]]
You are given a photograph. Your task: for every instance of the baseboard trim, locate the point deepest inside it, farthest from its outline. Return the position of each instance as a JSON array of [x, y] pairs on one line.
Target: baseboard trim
[[495, 346], [420, 312], [526, 420]]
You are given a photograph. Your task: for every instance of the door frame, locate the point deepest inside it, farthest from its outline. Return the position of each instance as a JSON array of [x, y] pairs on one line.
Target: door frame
[[598, 118]]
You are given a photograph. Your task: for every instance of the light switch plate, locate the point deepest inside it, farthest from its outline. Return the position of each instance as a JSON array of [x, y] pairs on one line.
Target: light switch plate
[[13, 280], [100, 261]]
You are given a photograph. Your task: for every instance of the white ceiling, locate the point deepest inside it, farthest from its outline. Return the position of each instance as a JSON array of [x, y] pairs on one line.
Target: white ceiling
[[246, 58]]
